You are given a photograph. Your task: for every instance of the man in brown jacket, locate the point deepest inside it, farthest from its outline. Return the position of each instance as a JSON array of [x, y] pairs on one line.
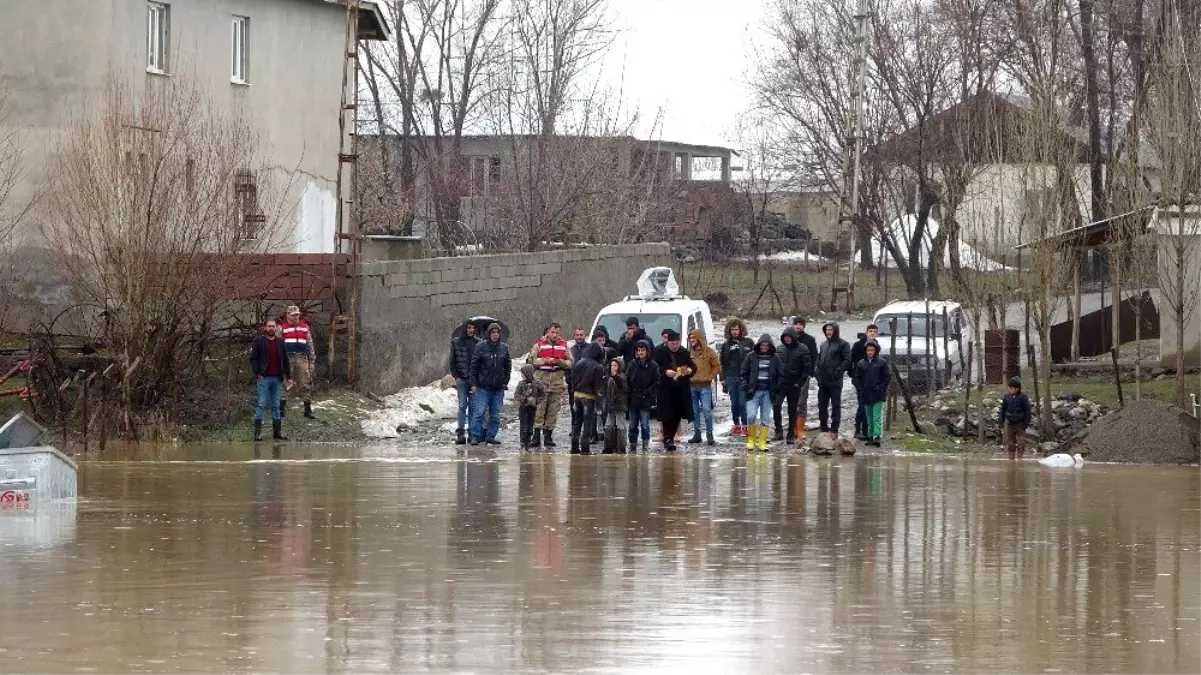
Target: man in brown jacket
[[708, 367]]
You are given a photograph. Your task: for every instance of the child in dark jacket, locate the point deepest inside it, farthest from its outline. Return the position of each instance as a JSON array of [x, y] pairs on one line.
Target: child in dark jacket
[[642, 383], [871, 378], [1015, 416], [617, 400], [528, 395]]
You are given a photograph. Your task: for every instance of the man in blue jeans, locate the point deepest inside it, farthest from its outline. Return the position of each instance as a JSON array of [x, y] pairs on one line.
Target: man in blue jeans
[[489, 375], [461, 349], [269, 360]]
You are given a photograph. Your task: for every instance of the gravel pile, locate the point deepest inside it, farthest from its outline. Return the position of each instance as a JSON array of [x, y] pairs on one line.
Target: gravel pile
[[1144, 432]]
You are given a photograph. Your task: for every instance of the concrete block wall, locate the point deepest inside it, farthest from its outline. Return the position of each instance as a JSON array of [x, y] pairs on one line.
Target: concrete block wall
[[408, 308]]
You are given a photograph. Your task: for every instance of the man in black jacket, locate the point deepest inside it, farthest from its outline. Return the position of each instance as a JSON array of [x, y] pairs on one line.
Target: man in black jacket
[[587, 378], [833, 363], [798, 323], [675, 387], [1015, 415], [269, 361], [630, 339], [794, 375], [491, 368], [461, 349]]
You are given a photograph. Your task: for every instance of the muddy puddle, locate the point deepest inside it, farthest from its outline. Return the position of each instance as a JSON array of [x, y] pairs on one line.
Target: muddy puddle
[[387, 559]]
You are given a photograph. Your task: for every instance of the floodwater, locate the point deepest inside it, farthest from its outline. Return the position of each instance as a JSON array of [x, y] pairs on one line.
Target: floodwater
[[392, 559]]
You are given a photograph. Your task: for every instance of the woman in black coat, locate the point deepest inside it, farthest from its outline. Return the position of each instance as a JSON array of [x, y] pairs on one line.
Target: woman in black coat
[[675, 387]]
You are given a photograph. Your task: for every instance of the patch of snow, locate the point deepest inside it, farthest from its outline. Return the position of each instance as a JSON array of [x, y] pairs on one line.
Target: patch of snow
[[423, 407], [902, 232], [792, 256]]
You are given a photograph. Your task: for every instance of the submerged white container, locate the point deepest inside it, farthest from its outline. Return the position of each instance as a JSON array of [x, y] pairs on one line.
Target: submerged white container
[[38, 487]]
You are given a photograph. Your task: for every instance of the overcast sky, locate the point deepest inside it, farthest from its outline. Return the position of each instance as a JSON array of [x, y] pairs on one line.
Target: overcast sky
[[690, 59]]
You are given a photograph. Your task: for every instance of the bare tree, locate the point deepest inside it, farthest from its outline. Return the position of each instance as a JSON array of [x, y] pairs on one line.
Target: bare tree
[[15, 208], [1174, 130], [426, 87], [152, 197]]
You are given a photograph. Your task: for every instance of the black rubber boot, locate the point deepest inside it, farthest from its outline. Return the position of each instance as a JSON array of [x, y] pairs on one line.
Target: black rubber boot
[[308, 410], [283, 408], [546, 439], [277, 430], [709, 438], [575, 445], [646, 446], [258, 430], [779, 434], [460, 437], [696, 437], [536, 439]]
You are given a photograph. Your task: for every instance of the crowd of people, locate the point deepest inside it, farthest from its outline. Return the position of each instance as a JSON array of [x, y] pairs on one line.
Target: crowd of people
[[614, 389]]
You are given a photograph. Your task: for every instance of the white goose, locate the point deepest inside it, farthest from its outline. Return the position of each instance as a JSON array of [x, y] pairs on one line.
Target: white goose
[[1062, 460]]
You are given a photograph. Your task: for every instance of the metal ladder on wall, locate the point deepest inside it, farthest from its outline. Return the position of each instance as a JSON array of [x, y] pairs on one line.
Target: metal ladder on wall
[[349, 228]]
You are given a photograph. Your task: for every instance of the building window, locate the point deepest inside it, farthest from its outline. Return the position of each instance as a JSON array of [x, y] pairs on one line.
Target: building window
[[246, 193], [158, 37], [240, 71], [483, 176]]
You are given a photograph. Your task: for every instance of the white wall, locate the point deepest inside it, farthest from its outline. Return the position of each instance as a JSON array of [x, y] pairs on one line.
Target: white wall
[[1173, 234]]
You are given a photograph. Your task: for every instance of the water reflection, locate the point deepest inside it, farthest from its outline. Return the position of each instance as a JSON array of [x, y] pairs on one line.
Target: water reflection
[[572, 563]]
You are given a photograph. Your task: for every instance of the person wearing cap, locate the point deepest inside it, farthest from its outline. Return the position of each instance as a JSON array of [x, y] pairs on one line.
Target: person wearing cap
[[1015, 416], [871, 378], [675, 387], [629, 340], [302, 357]]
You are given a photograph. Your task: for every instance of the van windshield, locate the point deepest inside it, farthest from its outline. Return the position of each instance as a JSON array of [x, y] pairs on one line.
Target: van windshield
[[653, 324], [903, 324]]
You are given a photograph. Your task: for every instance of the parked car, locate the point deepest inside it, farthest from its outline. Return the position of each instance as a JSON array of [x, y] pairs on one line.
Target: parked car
[[928, 341], [658, 306]]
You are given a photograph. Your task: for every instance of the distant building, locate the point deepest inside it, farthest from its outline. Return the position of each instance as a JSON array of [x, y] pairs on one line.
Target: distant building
[[1005, 193], [620, 171], [279, 61], [1179, 233], [815, 209]]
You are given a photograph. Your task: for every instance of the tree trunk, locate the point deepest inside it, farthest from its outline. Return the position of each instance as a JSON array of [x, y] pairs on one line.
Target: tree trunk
[[1092, 102]]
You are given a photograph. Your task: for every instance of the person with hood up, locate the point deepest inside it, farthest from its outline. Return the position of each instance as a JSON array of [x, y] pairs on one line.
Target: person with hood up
[[761, 373], [858, 352], [733, 352], [458, 366], [796, 365], [642, 382], [675, 387], [587, 381], [600, 336], [708, 368], [491, 368], [529, 395], [1015, 416], [551, 355], [629, 340], [871, 378], [617, 400], [833, 363]]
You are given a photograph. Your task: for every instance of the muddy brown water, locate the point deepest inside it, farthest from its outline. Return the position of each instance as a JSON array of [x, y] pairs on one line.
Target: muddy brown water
[[390, 559]]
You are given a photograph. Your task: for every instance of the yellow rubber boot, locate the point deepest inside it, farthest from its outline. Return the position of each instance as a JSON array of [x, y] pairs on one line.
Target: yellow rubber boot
[[752, 431], [763, 438]]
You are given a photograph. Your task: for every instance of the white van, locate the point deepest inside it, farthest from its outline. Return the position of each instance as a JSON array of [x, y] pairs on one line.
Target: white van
[[916, 351], [658, 306]]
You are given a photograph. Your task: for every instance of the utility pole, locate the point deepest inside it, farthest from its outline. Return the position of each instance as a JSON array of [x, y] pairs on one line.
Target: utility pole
[[349, 227], [850, 211]]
